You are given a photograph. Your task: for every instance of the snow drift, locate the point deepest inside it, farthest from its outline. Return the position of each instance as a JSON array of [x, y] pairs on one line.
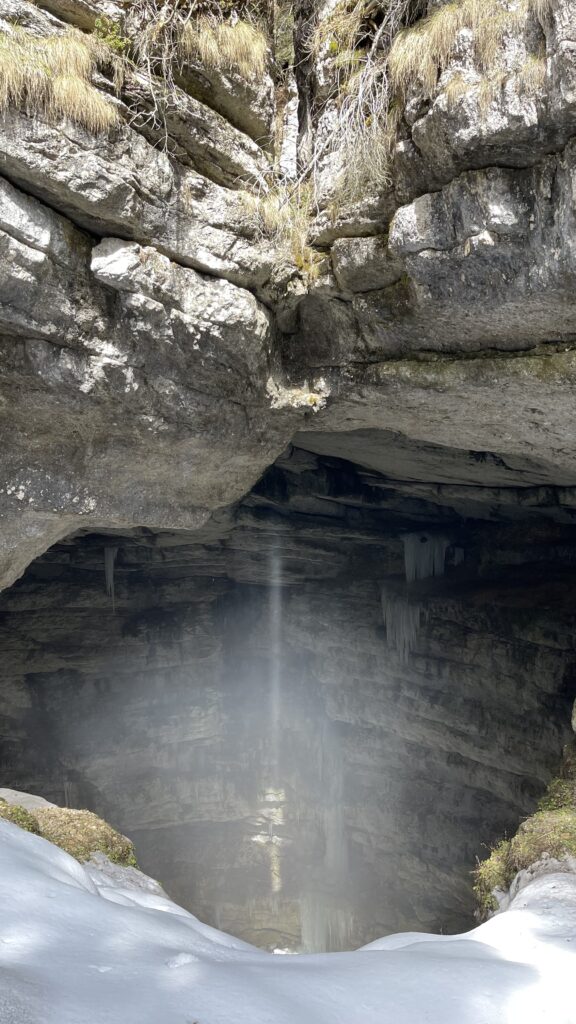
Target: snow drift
[[101, 945]]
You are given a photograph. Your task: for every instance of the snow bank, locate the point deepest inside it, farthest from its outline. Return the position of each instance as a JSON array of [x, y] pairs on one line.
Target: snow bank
[[92, 946]]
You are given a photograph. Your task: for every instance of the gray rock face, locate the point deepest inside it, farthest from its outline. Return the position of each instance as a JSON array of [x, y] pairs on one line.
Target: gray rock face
[[488, 264], [516, 125], [483, 263], [199, 137], [125, 186], [117, 380], [248, 105], [365, 264], [83, 13]]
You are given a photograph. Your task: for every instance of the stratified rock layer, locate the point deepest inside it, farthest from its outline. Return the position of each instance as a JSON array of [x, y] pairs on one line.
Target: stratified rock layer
[[244, 716]]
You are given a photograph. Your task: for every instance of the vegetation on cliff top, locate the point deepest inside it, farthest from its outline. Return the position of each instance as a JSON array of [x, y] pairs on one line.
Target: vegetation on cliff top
[[80, 833], [551, 831], [53, 76], [419, 55], [383, 51], [379, 52]]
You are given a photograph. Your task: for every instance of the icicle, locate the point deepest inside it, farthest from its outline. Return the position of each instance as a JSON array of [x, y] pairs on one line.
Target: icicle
[[424, 555], [402, 620], [109, 559]]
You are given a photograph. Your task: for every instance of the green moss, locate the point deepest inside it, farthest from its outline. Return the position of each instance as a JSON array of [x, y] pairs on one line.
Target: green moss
[[550, 831], [492, 873], [18, 816], [81, 833], [560, 793]]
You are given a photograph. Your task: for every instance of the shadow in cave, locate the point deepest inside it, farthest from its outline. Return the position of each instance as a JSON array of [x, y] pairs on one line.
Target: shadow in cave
[[309, 734]]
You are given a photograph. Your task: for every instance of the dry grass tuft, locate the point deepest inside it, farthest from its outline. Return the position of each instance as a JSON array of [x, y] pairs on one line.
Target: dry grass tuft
[[532, 75], [356, 37], [382, 50], [540, 8], [162, 34], [231, 45], [368, 150], [339, 32], [420, 54], [52, 76], [283, 215]]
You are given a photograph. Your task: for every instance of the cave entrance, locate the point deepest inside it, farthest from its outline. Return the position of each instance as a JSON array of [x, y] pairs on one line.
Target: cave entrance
[[311, 715]]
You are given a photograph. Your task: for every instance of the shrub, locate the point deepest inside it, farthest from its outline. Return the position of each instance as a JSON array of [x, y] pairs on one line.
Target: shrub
[[283, 215], [109, 32]]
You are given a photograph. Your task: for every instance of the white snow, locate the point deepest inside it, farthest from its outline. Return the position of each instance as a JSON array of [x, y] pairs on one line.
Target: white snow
[[112, 949], [27, 800]]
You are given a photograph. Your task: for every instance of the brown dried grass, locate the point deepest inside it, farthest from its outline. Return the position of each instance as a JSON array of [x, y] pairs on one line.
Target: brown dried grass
[[230, 45], [52, 76]]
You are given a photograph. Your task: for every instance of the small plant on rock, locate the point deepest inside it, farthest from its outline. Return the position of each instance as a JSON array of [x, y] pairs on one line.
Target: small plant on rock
[[19, 816], [550, 832], [82, 833]]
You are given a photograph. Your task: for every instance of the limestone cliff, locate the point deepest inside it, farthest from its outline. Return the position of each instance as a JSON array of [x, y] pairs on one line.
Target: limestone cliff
[[245, 380]]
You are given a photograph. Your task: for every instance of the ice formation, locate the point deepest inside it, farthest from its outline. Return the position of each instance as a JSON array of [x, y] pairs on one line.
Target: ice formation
[[402, 619], [109, 562], [98, 946], [424, 555]]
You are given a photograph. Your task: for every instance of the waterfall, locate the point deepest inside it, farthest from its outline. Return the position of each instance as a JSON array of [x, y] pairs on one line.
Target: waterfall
[[402, 620], [275, 633], [272, 796], [424, 555], [326, 926]]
